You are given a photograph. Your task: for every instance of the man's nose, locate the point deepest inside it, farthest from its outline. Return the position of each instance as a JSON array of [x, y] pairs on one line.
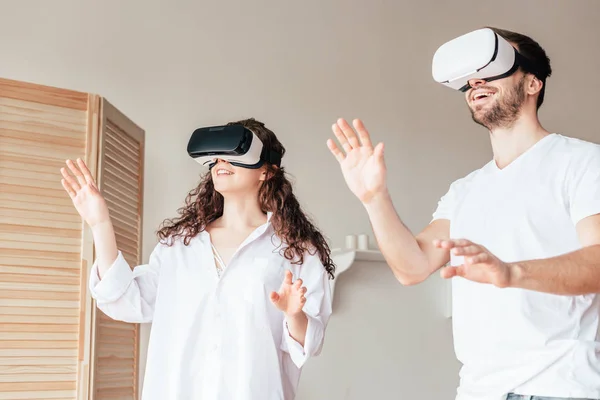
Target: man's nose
[[474, 83]]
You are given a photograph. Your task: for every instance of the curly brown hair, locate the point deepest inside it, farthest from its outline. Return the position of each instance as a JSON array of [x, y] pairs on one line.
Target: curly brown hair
[[204, 204]]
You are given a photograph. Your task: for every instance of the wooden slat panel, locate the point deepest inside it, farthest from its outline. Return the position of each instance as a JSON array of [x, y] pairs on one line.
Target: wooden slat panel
[[40, 231], [15, 124], [16, 192], [41, 223], [38, 184], [121, 171], [46, 318], [36, 386], [25, 269], [39, 311], [43, 165], [120, 207], [44, 395], [38, 245], [38, 344], [10, 169], [44, 97], [117, 135], [22, 147], [35, 328], [38, 369], [39, 279], [114, 369], [38, 287], [110, 363], [43, 377], [41, 336], [38, 361], [27, 262], [15, 353], [38, 319], [42, 140], [23, 111], [61, 256], [40, 241], [125, 160], [37, 237]]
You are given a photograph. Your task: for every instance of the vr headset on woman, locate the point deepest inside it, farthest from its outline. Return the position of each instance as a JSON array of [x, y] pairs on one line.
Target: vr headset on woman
[[233, 143], [481, 54]]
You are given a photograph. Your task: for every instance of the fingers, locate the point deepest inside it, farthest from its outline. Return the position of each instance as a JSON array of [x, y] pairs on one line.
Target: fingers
[[337, 131], [451, 244], [378, 152], [337, 153], [68, 188], [301, 289], [288, 277], [467, 250], [75, 171], [275, 297], [451, 272], [363, 134], [480, 258], [472, 253], [348, 133], [86, 172], [69, 179], [347, 136]]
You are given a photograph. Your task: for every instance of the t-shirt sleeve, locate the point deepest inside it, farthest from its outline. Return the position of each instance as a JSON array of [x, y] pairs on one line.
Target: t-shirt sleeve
[[447, 203], [584, 186]]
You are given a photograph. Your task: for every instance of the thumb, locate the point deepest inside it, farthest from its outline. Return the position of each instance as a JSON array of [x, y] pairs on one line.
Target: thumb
[[275, 297], [378, 152], [448, 272]]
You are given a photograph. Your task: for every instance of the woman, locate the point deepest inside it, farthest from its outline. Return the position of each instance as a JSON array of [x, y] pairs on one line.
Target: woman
[[237, 288]]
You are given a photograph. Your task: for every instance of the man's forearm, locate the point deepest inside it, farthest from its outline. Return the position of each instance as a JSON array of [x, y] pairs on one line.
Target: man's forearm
[[396, 242], [574, 273]]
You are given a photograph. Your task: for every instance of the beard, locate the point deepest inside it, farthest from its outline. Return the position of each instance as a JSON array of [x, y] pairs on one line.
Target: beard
[[504, 111]]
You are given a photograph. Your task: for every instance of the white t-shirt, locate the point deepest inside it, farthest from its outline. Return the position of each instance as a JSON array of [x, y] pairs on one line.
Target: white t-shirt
[[514, 340]]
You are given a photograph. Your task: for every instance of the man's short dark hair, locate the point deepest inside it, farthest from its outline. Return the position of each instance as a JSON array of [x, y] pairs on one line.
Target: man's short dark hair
[[532, 51]]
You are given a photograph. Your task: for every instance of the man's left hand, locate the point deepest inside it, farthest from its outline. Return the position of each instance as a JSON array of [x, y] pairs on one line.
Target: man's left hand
[[479, 265]]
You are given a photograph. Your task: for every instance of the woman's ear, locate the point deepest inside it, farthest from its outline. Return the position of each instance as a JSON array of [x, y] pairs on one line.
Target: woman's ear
[[263, 174], [267, 172]]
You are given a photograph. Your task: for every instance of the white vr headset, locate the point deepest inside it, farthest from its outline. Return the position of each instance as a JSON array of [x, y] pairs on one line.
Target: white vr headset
[[481, 54], [233, 143]]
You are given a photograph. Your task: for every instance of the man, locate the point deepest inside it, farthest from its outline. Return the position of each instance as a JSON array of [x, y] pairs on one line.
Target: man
[[521, 236]]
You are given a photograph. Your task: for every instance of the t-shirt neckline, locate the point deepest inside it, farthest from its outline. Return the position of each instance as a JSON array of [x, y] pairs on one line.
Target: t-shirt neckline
[[526, 154]]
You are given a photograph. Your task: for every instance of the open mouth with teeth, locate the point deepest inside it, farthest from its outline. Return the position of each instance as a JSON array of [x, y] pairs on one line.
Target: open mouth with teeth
[[482, 96], [222, 171]]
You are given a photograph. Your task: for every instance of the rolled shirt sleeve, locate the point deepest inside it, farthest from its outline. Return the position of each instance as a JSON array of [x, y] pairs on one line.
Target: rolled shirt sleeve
[[317, 309], [127, 294]]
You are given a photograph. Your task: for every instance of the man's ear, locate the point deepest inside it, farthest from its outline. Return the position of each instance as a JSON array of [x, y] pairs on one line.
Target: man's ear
[[535, 85]]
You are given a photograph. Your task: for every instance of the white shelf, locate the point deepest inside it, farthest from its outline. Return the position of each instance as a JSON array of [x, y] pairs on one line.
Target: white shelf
[[345, 258]]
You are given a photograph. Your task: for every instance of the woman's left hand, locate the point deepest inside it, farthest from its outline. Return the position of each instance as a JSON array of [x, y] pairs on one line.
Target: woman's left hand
[[290, 297]]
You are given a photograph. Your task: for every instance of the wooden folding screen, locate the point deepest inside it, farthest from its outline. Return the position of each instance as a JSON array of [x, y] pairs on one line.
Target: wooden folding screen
[[54, 344]]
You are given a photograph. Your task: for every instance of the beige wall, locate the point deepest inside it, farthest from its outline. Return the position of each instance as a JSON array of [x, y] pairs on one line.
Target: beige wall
[[173, 66]]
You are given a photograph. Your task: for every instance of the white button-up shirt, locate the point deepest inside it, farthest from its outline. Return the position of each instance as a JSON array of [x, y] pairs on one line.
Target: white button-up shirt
[[217, 338]]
